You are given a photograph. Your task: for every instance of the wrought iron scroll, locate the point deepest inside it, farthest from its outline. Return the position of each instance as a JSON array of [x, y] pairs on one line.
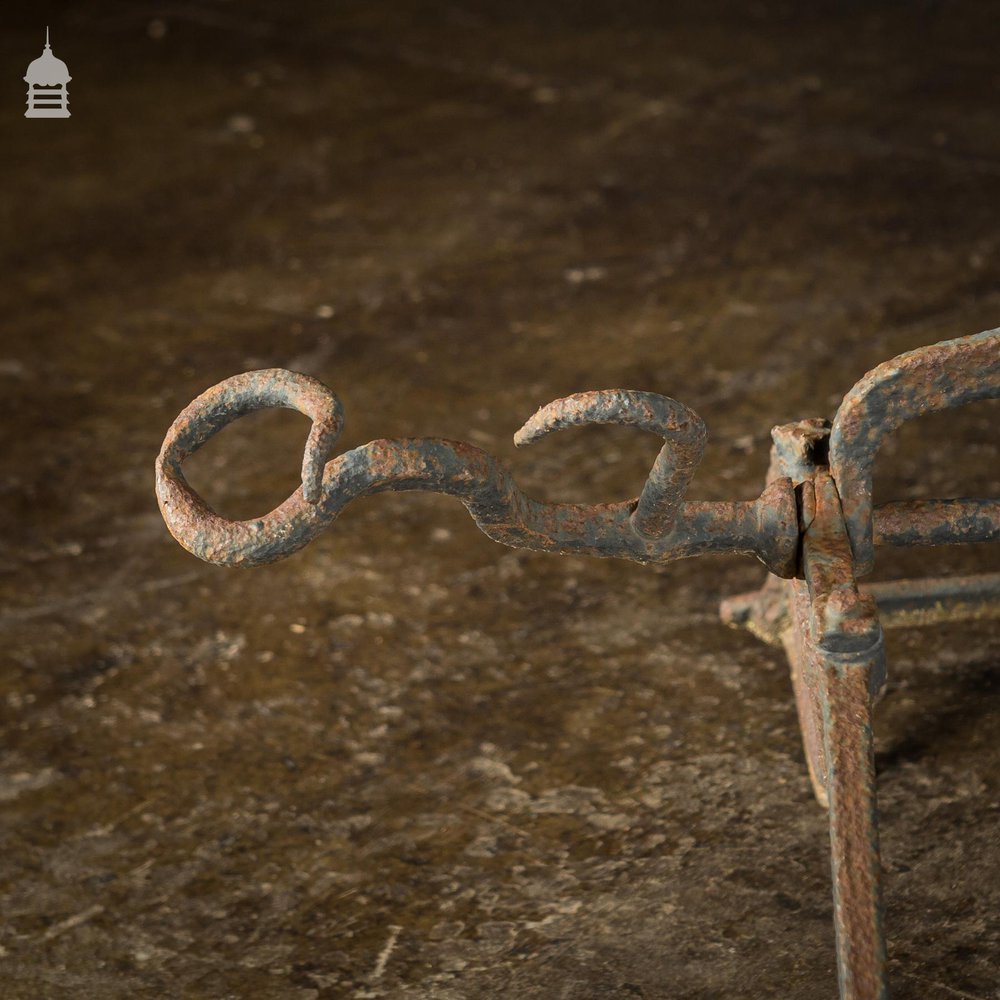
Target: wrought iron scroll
[[656, 527]]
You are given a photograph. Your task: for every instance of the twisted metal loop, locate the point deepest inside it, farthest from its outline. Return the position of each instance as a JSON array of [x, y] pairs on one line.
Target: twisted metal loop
[[235, 397], [191, 521], [658, 527], [684, 431]]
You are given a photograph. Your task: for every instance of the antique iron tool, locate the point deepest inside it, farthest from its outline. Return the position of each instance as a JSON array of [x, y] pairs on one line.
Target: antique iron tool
[[814, 527]]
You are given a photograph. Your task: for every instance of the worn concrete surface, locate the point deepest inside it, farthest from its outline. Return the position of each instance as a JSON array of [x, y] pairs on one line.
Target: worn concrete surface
[[407, 762]]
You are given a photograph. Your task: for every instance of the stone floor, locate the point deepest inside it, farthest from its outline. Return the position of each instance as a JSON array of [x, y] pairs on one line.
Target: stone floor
[[408, 762]]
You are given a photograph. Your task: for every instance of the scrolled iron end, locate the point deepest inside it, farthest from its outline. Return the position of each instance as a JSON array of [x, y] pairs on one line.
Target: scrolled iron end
[[682, 429], [319, 447], [648, 411], [191, 521]]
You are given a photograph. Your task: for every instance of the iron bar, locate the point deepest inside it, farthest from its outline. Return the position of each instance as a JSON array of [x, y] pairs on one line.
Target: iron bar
[[906, 603]]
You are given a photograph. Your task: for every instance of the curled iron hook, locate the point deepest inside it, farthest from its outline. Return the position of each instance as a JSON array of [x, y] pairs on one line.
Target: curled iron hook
[[260, 390], [658, 527], [684, 431], [941, 376]]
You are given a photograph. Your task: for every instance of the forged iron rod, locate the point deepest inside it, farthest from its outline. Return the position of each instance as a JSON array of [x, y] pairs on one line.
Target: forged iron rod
[[657, 527], [905, 603]]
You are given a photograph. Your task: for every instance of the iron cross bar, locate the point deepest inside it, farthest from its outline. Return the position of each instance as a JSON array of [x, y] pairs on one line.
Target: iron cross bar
[[814, 528]]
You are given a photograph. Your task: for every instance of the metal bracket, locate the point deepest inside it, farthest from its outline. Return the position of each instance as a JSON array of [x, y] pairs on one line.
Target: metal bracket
[[814, 527]]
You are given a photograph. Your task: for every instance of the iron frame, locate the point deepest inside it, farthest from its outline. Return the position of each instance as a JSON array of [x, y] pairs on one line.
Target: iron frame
[[814, 527]]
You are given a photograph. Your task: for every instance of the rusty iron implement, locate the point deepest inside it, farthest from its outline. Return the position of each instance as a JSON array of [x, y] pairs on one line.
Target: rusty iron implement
[[814, 527]]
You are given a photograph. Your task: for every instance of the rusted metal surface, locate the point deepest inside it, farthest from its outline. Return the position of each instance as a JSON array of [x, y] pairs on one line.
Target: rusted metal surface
[[684, 431], [903, 603], [657, 527], [937, 522], [831, 626], [945, 375], [837, 656], [813, 527]]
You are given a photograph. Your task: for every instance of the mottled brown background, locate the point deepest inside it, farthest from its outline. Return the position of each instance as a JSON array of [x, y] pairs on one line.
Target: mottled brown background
[[540, 777]]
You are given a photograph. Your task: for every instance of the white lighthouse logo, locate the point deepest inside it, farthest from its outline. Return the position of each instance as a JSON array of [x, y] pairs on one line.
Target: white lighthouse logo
[[47, 80]]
